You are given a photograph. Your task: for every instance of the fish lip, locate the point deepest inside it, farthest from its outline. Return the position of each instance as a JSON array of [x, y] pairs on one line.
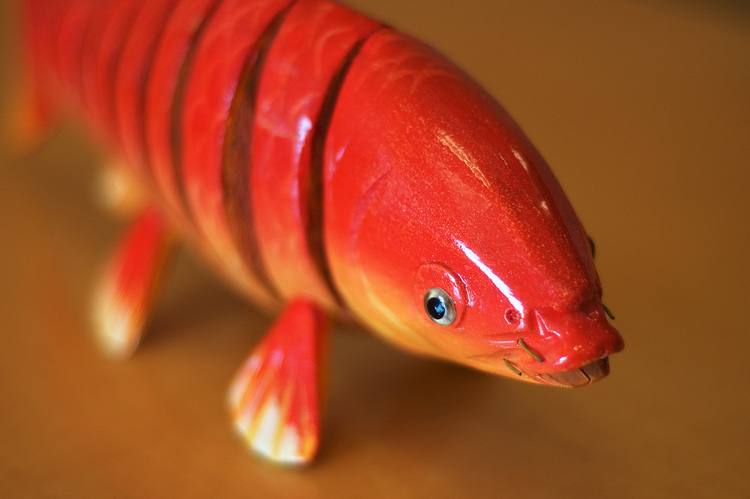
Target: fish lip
[[584, 375]]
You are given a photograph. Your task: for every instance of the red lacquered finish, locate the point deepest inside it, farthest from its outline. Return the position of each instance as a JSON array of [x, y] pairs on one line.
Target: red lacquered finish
[[327, 164], [278, 381], [234, 32], [486, 220], [287, 118], [130, 283], [102, 46], [169, 57], [133, 69], [65, 54]]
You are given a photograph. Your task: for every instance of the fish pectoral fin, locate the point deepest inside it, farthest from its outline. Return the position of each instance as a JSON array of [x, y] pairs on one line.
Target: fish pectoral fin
[[275, 398], [131, 282]]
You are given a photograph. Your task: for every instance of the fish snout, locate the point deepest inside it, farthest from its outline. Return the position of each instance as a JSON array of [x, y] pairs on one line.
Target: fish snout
[[576, 346], [577, 337]]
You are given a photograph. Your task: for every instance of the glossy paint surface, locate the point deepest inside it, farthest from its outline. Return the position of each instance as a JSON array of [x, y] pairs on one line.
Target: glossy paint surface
[[161, 85], [133, 70], [212, 86], [102, 48], [276, 396], [424, 180], [131, 283], [454, 196], [323, 161], [594, 84], [313, 41]]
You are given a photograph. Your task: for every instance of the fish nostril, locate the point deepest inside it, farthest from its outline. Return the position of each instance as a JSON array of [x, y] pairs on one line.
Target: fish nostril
[[512, 316]]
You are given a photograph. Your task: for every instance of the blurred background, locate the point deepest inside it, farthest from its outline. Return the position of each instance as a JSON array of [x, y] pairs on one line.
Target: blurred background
[[642, 108]]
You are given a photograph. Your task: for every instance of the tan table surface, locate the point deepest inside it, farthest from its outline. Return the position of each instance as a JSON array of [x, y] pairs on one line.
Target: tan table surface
[[643, 110]]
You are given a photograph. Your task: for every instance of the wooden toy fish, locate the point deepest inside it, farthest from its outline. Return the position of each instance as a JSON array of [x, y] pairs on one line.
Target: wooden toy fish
[[331, 166]]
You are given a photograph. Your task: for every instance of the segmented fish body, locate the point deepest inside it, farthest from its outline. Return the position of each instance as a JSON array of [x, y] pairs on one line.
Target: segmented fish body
[[330, 165]]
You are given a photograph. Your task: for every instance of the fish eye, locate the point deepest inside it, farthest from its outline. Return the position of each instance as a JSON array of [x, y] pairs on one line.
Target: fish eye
[[439, 306]]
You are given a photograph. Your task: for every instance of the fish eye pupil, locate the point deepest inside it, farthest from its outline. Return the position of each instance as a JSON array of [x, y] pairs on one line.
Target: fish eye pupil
[[436, 308], [440, 306]]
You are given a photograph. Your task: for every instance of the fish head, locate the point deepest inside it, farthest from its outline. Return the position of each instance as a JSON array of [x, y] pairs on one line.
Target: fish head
[[447, 231]]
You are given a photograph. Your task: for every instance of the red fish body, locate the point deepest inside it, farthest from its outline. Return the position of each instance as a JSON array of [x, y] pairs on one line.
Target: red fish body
[[331, 165]]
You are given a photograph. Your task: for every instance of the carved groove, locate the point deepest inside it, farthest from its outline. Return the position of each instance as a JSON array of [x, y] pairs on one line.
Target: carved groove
[[178, 102], [114, 69], [236, 161], [316, 195], [142, 89]]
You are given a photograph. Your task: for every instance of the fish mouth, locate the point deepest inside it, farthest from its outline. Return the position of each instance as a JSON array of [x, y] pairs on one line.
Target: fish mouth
[[590, 373]]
